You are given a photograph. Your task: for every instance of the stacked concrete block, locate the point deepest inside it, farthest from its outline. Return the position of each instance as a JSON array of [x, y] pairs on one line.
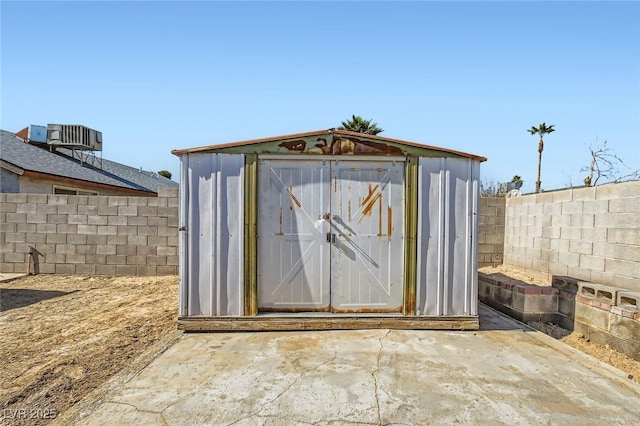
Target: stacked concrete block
[[104, 235], [592, 234], [491, 231]]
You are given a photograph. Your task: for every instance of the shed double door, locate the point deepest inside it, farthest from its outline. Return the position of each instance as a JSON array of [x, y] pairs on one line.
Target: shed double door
[[330, 235]]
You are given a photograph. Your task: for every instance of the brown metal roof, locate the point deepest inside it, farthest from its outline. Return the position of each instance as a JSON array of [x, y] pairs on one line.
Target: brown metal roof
[[179, 152]]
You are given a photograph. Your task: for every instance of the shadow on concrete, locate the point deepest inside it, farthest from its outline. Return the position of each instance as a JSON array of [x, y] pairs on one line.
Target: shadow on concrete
[[13, 298], [491, 319]]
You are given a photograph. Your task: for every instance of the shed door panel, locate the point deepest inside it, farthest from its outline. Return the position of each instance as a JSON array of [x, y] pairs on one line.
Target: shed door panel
[[293, 253], [367, 200]]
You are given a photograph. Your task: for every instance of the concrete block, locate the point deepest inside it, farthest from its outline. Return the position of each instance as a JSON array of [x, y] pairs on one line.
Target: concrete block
[[624, 205], [173, 193], [623, 327], [622, 267], [617, 251], [107, 230], [15, 237], [148, 211], [46, 228], [592, 262], [96, 259], [25, 208], [599, 292], [105, 269], [147, 230], [56, 238], [8, 227], [175, 202], [47, 268], [13, 198], [88, 210], [569, 259], [78, 199], [126, 250], [167, 270], [15, 257], [87, 229], [137, 240], [592, 316], [117, 239], [106, 249], [7, 267], [65, 268], [169, 211], [62, 228], [78, 219], [167, 251], [157, 241], [107, 210], [144, 270], [571, 207], [495, 257], [84, 248], [146, 250], [66, 248], [98, 220], [75, 258], [173, 232], [582, 220], [137, 201], [156, 260], [53, 199], [37, 198], [583, 194], [86, 269], [26, 227], [29, 217], [594, 234], [127, 210], [99, 200], [136, 260], [126, 229], [629, 300], [618, 220], [118, 200], [618, 190], [96, 239], [46, 209], [623, 236], [116, 260], [565, 283], [67, 209], [126, 269], [137, 220], [114, 220], [567, 233], [157, 221]]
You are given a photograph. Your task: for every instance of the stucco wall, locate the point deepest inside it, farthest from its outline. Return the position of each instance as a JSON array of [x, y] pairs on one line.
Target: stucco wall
[[9, 181], [592, 234], [103, 235]]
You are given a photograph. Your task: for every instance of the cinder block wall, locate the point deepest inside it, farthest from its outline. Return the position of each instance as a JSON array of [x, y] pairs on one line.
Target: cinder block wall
[[491, 231], [103, 235], [592, 234]]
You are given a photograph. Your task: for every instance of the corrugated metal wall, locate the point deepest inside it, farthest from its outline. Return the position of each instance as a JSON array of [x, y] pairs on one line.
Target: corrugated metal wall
[[447, 230], [212, 243]]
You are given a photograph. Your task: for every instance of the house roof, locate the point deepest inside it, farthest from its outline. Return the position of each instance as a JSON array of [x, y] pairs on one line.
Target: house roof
[[324, 141], [30, 158]]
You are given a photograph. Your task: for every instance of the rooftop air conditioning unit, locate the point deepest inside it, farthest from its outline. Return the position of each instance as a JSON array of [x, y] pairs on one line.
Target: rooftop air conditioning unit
[[74, 136]]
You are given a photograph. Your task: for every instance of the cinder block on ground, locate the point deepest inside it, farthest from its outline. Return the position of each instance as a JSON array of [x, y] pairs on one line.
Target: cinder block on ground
[[565, 283], [599, 292], [629, 300]]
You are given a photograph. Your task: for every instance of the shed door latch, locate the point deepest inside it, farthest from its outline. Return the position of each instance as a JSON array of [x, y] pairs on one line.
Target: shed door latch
[[331, 238]]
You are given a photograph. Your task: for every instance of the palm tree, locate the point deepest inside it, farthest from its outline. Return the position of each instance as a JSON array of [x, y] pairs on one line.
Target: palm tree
[[360, 125], [541, 130]]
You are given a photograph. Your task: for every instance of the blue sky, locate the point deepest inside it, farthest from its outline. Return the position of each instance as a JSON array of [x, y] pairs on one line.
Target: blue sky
[[471, 76]]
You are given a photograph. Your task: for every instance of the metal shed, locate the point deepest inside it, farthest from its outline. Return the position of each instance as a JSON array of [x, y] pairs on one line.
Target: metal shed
[[327, 229]]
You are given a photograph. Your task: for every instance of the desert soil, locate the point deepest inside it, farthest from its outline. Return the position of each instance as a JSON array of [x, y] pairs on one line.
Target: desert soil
[[604, 353], [64, 336]]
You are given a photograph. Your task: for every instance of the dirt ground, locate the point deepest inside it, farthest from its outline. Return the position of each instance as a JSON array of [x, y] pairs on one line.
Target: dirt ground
[[604, 353], [64, 336]]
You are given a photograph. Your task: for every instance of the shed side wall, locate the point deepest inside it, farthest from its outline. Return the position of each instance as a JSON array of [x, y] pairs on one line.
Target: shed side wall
[[447, 242], [212, 244]]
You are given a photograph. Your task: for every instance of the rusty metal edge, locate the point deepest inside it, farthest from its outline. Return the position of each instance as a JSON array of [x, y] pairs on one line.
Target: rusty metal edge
[[250, 235], [410, 235]]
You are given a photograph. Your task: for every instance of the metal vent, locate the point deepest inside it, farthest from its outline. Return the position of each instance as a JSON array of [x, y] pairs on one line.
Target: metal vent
[[74, 136]]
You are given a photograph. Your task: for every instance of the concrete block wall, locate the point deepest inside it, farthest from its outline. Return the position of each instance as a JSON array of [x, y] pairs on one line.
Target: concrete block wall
[[491, 231], [592, 234], [102, 235]]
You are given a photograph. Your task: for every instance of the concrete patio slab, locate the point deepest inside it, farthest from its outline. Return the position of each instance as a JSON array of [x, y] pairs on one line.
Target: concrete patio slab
[[503, 374]]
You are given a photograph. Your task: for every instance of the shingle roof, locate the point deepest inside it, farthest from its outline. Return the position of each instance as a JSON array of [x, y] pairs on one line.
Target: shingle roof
[[28, 157]]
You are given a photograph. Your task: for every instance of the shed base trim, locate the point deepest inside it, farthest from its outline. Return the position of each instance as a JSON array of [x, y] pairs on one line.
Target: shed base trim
[[284, 323]]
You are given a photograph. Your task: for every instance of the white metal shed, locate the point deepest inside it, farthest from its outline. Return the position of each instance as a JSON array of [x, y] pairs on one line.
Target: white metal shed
[[328, 229]]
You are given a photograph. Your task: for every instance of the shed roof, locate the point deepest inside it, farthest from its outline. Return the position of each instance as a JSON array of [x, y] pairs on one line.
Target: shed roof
[[331, 141], [31, 158]]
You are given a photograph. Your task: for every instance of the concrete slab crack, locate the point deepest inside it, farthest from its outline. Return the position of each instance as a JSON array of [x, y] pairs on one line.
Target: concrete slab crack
[[375, 378]]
